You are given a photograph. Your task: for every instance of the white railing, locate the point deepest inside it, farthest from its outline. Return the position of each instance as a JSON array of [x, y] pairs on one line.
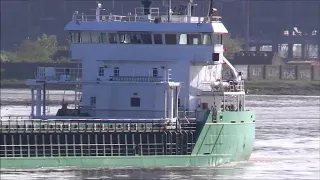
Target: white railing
[[154, 12], [148, 18], [136, 78], [59, 74], [13, 117], [236, 87]]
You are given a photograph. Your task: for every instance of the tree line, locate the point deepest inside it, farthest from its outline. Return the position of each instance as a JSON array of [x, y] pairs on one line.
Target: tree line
[[42, 49]]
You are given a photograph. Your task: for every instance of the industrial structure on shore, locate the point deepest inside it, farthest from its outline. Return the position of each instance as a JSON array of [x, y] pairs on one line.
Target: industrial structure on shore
[[288, 27]]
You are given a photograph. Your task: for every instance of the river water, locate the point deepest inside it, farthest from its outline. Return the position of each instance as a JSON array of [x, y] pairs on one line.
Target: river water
[[287, 144]]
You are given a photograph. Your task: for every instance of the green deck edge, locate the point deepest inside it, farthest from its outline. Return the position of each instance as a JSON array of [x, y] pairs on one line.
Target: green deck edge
[[229, 139]]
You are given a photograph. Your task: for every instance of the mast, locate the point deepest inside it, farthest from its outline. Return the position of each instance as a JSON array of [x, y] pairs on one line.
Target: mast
[[169, 10], [210, 7]]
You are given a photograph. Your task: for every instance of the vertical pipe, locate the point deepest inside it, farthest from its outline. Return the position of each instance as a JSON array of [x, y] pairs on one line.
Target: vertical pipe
[[44, 99], [38, 103], [32, 102], [224, 102], [169, 9], [244, 102], [165, 102], [171, 103], [238, 107], [177, 97]]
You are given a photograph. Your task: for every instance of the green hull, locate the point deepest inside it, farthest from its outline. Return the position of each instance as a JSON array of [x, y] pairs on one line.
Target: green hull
[[227, 138]]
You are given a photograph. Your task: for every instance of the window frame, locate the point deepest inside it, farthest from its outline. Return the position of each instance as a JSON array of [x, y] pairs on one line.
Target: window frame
[[154, 39], [176, 38], [101, 71], [155, 72], [116, 71], [135, 102], [93, 101]]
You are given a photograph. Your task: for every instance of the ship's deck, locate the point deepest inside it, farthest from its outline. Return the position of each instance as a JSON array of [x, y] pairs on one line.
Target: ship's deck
[[50, 138]]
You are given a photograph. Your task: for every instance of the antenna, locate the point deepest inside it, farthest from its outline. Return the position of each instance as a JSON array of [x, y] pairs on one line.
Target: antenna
[[98, 9], [210, 7], [112, 6], [169, 10], [189, 9]]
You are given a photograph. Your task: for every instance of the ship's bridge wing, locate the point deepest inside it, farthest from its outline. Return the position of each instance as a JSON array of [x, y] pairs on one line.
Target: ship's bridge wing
[[219, 28], [146, 26]]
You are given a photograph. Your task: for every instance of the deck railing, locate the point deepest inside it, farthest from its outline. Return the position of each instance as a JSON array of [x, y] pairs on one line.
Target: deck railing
[[59, 74], [136, 78], [94, 125], [139, 16]]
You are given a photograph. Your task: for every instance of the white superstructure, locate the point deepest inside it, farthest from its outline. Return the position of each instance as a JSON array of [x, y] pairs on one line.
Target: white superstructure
[[143, 66]]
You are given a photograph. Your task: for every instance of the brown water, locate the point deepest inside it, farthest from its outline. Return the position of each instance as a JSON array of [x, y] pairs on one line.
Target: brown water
[[287, 144]]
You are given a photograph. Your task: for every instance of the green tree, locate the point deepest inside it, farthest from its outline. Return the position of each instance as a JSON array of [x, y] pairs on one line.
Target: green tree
[[41, 50], [232, 45], [7, 56]]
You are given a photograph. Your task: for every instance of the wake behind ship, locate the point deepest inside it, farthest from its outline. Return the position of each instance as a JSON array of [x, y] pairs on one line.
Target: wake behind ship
[[150, 93]]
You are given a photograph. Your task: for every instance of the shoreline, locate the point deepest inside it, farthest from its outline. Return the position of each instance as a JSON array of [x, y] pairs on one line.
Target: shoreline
[[263, 87]]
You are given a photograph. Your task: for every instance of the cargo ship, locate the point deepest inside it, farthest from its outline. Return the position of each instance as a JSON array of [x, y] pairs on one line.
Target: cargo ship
[[149, 92]]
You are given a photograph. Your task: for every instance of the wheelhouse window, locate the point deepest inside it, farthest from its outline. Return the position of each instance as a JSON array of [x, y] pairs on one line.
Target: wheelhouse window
[[171, 38], [135, 102], [217, 38], [155, 72], [75, 36], [183, 39], [206, 39], [135, 37], [93, 101], [157, 38], [95, 37], [103, 38], [101, 71], [116, 71], [190, 39], [146, 38], [194, 39], [124, 38], [113, 39], [86, 37]]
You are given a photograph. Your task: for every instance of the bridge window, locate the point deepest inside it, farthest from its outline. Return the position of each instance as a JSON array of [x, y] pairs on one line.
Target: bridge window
[[135, 38], [101, 71], [116, 71], [155, 72], [124, 38], [75, 37], [157, 38], [135, 102], [103, 38], [206, 39], [95, 37], [146, 38], [112, 38], [217, 38], [85, 37], [190, 39], [183, 39], [93, 100], [171, 38], [194, 39]]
